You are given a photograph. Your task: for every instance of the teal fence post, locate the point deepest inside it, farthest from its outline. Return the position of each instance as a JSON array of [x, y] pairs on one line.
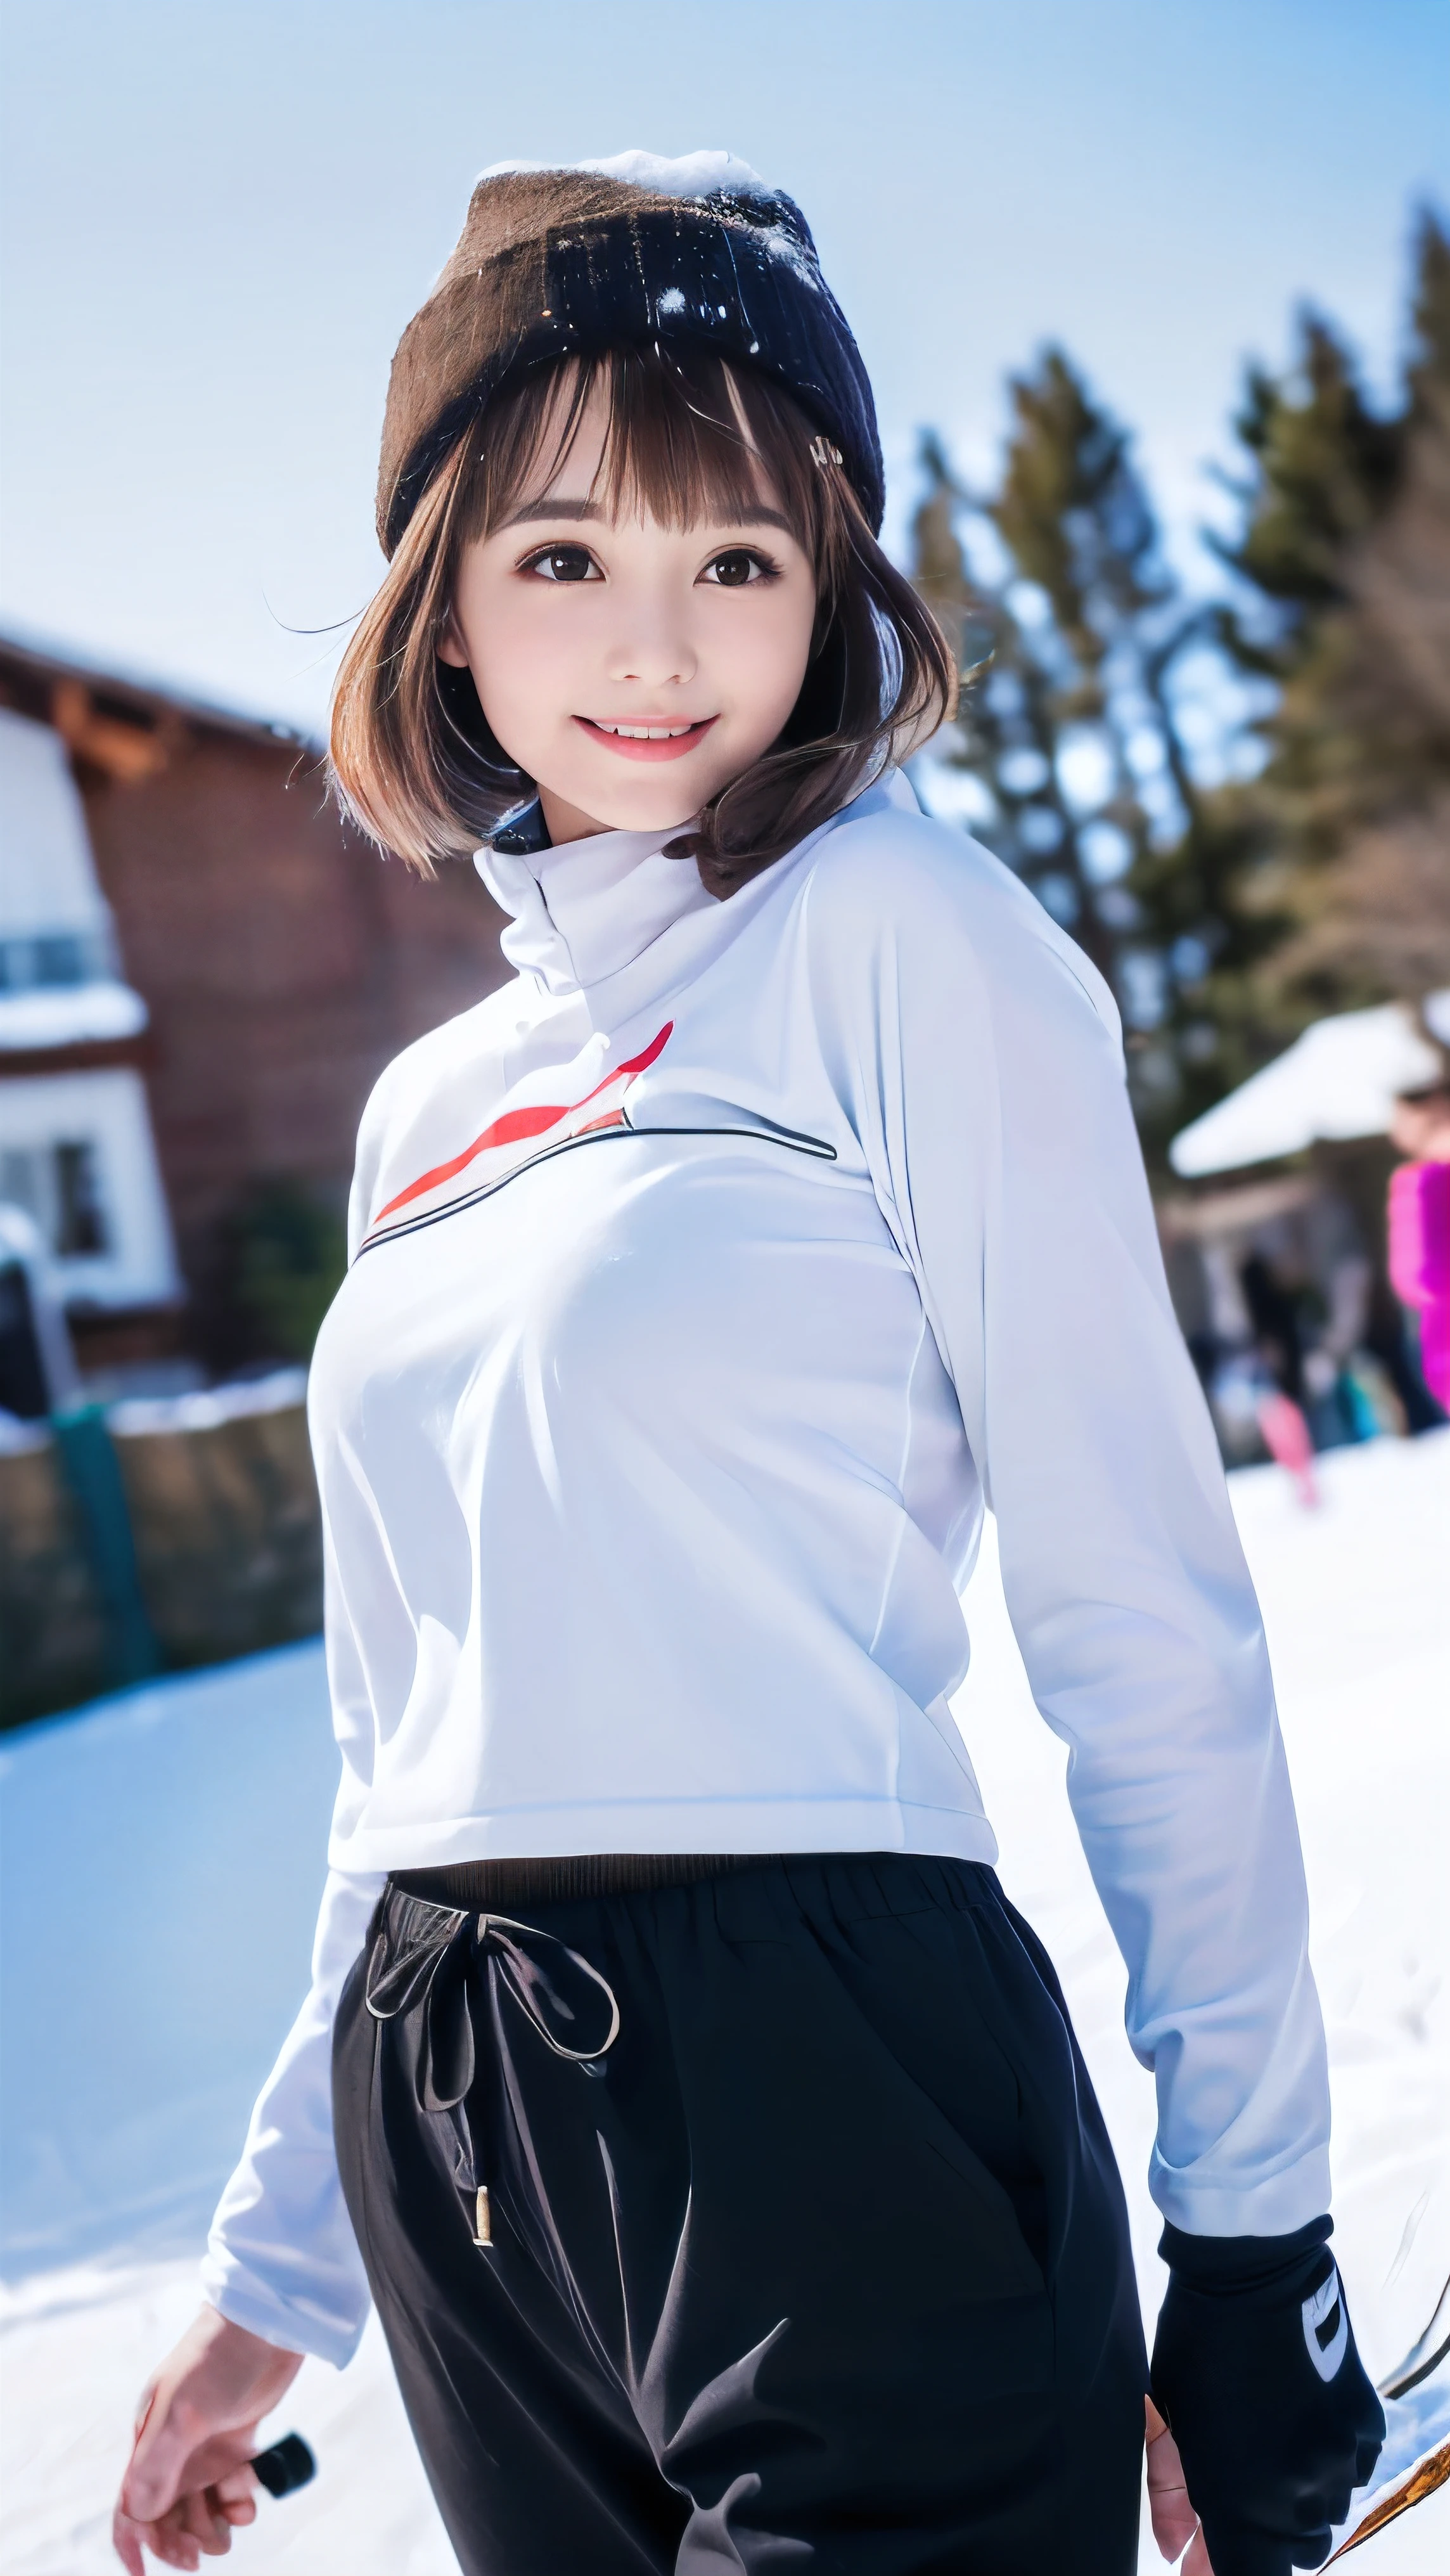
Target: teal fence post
[[93, 1470]]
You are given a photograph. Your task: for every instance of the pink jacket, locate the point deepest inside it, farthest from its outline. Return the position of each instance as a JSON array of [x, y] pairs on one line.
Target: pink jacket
[[1420, 1262]]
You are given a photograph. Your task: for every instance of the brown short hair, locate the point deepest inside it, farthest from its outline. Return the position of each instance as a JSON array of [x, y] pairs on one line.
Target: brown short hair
[[414, 762]]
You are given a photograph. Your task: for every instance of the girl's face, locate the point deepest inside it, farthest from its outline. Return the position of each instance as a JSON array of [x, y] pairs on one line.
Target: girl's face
[[629, 668]]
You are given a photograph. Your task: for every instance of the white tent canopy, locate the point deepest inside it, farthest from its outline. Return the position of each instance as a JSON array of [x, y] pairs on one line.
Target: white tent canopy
[[1341, 1079]]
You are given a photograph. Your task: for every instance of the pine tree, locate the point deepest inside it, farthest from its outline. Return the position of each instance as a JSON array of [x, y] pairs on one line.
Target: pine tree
[[1344, 558], [1073, 632]]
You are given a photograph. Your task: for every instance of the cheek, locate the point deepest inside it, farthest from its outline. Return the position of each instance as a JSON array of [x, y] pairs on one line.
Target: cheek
[[521, 663], [768, 651]]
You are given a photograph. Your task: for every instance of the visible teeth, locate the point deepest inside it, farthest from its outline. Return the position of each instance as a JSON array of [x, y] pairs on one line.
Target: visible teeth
[[648, 733]]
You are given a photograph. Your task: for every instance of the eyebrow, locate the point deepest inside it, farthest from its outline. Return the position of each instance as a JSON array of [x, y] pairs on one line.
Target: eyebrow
[[755, 516]]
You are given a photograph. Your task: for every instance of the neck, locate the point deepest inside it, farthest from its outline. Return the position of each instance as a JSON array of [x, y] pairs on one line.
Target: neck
[[565, 822]]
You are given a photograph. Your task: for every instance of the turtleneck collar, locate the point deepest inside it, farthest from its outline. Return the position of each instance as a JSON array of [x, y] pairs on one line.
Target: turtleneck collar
[[590, 908]]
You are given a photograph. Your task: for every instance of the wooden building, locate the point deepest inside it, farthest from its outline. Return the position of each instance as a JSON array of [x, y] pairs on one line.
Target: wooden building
[[242, 963]]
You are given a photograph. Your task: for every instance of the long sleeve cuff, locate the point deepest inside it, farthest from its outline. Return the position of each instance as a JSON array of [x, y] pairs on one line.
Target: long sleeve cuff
[[282, 2259], [246, 2300]]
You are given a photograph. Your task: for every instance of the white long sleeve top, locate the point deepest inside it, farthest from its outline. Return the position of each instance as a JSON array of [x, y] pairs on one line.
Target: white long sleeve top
[[707, 1282]]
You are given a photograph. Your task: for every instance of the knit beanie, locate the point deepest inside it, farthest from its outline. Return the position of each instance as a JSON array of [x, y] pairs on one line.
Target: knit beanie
[[556, 263]]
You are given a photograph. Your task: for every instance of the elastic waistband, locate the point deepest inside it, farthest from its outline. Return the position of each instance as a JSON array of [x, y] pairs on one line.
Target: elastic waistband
[[478, 1886]]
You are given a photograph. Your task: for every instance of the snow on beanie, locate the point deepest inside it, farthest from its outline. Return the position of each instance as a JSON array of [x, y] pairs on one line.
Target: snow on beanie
[[553, 263]]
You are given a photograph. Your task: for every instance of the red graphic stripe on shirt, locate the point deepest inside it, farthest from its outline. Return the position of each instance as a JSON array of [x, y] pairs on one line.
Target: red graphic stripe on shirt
[[517, 1125]]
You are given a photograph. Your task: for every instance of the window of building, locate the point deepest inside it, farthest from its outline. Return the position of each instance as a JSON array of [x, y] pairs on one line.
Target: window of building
[[80, 1218], [59, 1188], [55, 957], [22, 1183]]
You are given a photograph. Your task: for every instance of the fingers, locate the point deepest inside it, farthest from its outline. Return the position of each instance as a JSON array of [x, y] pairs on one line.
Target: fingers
[[164, 2539], [178, 2456], [164, 2444], [126, 2542], [196, 2525], [235, 2496], [1197, 2561], [174, 2548], [1174, 2521], [1174, 2525], [195, 2528], [201, 2518]]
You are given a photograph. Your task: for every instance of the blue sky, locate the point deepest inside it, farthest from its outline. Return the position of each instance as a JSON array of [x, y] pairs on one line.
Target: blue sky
[[218, 215]]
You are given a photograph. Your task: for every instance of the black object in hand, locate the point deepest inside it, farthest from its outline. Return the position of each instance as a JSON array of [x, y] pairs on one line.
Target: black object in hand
[[287, 2465]]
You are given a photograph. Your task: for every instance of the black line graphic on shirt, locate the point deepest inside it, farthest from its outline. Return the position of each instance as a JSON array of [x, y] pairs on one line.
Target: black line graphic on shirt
[[618, 1131], [609, 1118]]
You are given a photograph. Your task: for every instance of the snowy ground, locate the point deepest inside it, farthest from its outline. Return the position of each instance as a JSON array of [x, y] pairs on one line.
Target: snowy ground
[[133, 2047]]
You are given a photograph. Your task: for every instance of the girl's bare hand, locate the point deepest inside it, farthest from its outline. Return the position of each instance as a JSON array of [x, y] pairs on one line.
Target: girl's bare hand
[[188, 2484], [1175, 2523]]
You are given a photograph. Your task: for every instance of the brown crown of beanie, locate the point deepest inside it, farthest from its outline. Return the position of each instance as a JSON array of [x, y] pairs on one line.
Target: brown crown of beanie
[[491, 308], [486, 298]]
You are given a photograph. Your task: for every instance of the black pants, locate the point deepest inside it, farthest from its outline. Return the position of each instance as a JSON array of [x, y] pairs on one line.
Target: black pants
[[818, 2260]]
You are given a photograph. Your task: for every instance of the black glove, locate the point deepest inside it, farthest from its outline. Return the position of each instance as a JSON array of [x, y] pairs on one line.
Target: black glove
[[1256, 2374]]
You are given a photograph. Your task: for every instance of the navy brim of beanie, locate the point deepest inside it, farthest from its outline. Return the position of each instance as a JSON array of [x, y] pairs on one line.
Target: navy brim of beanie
[[735, 275]]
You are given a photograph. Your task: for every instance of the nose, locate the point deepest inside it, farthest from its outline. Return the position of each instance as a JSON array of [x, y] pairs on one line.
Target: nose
[[651, 647]]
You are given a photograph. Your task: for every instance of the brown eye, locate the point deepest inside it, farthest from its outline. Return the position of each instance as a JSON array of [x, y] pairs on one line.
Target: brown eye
[[562, 563], [735, 568]]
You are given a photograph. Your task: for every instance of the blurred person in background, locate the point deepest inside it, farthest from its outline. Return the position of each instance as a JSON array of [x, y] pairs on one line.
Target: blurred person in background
[[1419, 1233], [676, 2078]]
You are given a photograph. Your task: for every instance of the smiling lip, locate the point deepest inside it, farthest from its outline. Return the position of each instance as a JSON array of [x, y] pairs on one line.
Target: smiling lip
[[652, 743]]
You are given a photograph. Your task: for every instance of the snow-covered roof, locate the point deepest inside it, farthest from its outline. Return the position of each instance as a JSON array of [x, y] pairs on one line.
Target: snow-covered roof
[[1341, 1079], [46, 658], [66, 1015]]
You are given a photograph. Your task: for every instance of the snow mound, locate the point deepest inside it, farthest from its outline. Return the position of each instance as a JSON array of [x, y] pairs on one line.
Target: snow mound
[[203, 1408], [135, 2046]]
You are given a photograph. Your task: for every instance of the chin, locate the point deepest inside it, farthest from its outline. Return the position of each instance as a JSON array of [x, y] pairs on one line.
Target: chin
[[640, 813]]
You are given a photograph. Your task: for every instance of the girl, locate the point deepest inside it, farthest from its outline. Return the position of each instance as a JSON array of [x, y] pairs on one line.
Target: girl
[[707, 2127]]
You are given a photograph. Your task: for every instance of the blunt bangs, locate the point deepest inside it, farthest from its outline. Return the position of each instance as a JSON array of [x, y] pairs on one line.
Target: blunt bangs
[[685, 443]]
